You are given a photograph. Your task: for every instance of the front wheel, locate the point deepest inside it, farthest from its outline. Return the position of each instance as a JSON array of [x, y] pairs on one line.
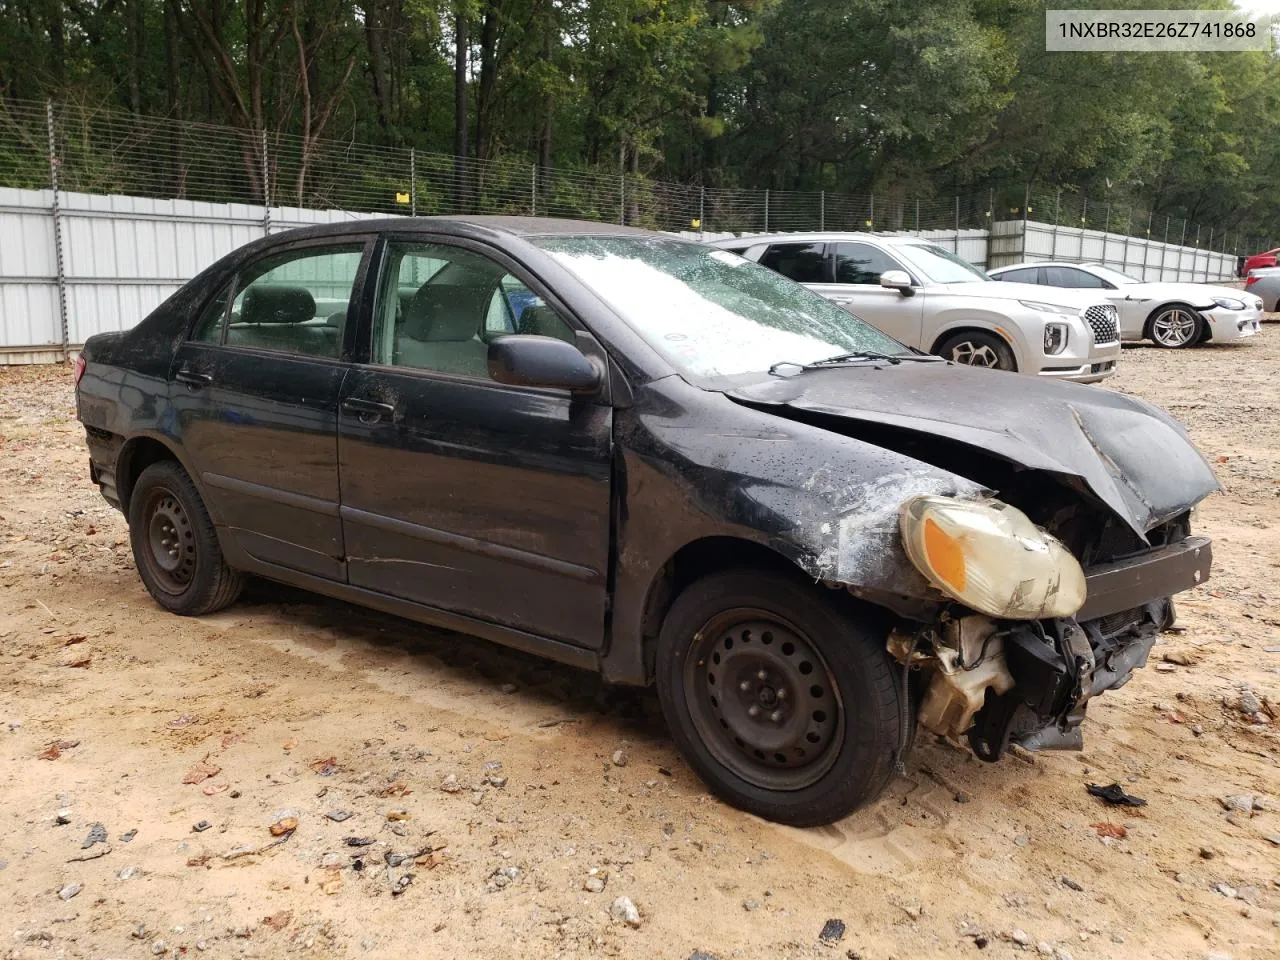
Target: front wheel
[[1175, 326], [175, 546], [784, 703], [975, 348]]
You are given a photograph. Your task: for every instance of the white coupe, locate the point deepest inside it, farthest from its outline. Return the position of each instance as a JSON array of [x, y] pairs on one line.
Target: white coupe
[[1170, 314]]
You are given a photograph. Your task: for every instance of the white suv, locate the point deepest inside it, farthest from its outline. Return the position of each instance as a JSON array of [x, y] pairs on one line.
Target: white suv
[[931, 299]]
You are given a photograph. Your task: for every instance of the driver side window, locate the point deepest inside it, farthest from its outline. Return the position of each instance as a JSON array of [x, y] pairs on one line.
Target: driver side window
[[438, 308]]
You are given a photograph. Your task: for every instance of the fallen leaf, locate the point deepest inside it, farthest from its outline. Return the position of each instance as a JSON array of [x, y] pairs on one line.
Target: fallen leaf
[[211, 789], [432, 860], [1113, 830], [202, 771], [1175, 717], [289, 744], [54, 750], [397, 789], [281, 827], [396, 815], [231, 738], [199, 861], [278, 921], [325, 766]]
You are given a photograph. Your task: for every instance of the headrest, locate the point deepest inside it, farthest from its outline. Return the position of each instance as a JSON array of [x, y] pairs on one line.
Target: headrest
[[272, 303], [447, 312]]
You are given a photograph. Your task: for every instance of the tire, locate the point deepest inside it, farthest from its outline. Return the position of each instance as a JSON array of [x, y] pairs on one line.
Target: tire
[[1175, 326], [976, 348], [175, 546], [825, 672]]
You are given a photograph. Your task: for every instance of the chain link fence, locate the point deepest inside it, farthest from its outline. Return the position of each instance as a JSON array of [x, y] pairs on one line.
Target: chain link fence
[[102, 151]]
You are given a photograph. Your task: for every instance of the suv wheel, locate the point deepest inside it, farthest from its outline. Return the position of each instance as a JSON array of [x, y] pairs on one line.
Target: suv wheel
[[175, 546], [786, 705], [1175, 326], [975, 348]]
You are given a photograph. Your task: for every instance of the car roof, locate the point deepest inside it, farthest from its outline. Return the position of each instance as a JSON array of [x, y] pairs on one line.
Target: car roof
[[751, 240], [474, 226], [1049, 263]]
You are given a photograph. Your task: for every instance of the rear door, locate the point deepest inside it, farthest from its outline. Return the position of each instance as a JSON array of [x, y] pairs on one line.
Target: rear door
[[458, 492], [255, 395]]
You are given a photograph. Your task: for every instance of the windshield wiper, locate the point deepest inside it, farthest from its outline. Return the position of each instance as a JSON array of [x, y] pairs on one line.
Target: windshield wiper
[[855, 355]]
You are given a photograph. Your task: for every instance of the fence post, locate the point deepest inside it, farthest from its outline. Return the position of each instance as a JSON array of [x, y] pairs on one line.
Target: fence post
[[1026, 215], [1057, 211], [1164, 250], [702, 209], [917, 214], [1208, 255], [413, 182], [64, 329], [266, 187], [533, 189], [957, 246], [872, 225], [622, 197], [822, 209], [1124, 253], [766, 209]]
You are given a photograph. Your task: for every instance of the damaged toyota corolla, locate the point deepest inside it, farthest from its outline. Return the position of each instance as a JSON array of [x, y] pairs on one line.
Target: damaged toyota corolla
[[638, 455]]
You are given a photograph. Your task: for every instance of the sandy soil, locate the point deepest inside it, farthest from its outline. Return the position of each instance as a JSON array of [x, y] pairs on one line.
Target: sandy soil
[[290, 706]]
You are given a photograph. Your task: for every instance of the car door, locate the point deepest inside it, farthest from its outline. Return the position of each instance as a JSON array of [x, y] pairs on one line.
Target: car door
[[458, 492], [255, 395], [856, 287]]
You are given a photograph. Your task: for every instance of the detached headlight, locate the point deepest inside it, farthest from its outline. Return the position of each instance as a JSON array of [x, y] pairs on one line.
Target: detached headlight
[[992, 558], [1050, 308], [1055, 338], [1229, 303]]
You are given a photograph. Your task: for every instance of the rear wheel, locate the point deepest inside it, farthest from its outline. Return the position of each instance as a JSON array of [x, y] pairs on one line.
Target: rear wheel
[[975, 348], [175, 546], [783, 702], [1175, 326]]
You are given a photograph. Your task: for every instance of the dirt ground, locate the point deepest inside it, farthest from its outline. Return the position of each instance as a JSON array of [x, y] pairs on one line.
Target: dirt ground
[[186, 740]]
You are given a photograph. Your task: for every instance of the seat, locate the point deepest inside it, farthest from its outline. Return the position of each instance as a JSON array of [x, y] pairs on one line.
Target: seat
[[441, 329], [278, 317]]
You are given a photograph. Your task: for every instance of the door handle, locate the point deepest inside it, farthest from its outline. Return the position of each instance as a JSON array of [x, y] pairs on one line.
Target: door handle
[[192, 378], [843, 301], [369, 411]]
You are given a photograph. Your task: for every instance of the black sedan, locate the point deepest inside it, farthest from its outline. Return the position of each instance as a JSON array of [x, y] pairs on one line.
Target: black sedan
[[639, 455]]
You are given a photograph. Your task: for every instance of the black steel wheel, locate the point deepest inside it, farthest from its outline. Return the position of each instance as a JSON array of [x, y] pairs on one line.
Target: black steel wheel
[[175, 545], [781, 697], [763, 699]]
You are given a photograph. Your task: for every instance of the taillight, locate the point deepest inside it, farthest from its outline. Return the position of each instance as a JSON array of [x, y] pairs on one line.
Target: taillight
[[1250, 279], [77, 369]]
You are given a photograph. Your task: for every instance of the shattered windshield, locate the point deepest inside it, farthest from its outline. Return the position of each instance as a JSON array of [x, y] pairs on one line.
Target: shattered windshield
[[710, 312]]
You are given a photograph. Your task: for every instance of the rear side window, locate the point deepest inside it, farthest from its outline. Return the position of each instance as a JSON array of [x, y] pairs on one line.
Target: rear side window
[[295, 302], [1071, 277], [862, 263], [801, 262], [1027, 275]]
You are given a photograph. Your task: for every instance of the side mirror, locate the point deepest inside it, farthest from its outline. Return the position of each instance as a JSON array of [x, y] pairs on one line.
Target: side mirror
[[523, 360], [898, 280]]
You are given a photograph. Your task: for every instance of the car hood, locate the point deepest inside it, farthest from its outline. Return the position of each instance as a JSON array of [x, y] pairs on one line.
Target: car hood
[[1131, 456], [1196, 294], [1008, 290]]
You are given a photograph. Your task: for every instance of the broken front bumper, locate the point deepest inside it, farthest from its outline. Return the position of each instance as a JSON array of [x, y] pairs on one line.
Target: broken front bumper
[[1029, 682]]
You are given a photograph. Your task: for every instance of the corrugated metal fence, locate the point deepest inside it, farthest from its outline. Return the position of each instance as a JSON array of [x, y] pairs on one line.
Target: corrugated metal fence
[[76, 264], [103, 263]]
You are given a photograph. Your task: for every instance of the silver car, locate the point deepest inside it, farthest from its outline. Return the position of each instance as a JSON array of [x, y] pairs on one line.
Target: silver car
[[929, 298], [1264, 282], [1167, 313]]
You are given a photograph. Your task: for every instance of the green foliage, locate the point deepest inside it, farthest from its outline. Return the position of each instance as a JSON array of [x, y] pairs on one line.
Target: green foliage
[[893, 97]]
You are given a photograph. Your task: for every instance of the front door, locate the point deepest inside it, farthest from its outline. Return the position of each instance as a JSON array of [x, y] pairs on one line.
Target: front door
[[255, 393], [858, 267], [458, 492]]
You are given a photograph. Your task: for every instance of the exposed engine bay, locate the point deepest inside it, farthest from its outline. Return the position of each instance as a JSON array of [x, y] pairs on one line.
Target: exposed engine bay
[[1029, 682]]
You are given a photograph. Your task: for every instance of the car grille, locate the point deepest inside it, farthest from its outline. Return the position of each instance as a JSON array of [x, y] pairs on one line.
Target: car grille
[[1105, 323]]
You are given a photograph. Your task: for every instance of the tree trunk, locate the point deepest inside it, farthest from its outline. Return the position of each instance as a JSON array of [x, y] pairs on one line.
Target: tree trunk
[[461, 44], [488, 81], [548, 100]]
